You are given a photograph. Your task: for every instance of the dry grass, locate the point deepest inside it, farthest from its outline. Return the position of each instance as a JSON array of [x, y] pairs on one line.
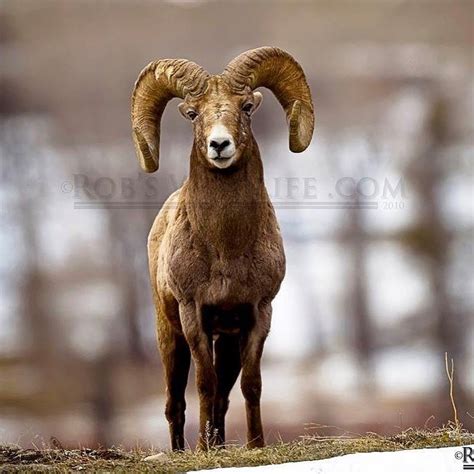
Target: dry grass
[[15, 459], [450, 373]]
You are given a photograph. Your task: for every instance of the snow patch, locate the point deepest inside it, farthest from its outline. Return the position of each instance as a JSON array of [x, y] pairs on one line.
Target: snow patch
[[439, 461]]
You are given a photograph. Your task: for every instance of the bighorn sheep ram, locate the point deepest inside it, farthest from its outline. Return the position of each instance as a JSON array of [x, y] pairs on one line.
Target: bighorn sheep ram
[[215, 250]]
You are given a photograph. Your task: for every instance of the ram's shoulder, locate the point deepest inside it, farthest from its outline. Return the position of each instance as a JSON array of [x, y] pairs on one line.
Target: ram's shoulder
[[164, 218]]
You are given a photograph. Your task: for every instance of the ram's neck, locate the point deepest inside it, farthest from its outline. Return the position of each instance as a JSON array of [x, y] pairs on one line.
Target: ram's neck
[[226, 207]]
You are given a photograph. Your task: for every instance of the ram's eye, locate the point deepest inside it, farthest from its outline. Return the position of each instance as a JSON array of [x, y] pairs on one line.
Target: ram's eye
[[247, 108], [192, 114]]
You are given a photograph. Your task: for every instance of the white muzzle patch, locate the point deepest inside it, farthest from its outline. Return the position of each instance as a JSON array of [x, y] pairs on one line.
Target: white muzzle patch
[[220, 147]]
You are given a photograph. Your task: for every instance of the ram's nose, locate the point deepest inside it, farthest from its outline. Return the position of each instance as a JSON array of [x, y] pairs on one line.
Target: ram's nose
[[219, 144]]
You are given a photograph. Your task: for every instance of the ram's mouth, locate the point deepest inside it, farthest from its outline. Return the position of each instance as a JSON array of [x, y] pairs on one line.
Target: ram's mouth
[[223, 161], [223, 158]]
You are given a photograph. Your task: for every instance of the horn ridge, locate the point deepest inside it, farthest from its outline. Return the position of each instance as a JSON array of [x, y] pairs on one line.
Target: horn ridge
[[278, 71], [155, 86]]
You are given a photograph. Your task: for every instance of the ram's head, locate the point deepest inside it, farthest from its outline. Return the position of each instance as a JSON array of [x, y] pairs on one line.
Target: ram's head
[[220, 106]]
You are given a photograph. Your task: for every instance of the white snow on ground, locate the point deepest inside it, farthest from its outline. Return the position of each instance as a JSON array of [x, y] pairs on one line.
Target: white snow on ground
[[433, 461]]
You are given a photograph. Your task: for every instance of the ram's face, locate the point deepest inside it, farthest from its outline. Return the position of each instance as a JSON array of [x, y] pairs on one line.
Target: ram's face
[[221, 121]]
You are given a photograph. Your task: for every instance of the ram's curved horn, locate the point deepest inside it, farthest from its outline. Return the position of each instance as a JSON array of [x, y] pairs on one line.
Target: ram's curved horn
[[158, 83], [278, 71]]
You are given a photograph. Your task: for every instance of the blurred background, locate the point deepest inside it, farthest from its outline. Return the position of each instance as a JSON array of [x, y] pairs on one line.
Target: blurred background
[[377, 215]]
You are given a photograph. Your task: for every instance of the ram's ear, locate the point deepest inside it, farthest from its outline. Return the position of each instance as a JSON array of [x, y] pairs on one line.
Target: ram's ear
[[257, 101], [182, 109]]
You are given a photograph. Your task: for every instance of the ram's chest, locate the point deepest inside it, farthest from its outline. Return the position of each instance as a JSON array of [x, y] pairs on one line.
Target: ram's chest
[[198, 272]]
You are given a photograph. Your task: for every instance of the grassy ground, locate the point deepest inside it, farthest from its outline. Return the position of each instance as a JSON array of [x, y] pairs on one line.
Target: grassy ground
[[15, 459]]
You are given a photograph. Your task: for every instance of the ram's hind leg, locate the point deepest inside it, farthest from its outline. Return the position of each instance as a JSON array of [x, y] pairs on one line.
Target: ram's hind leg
[[251, 381], [227, 364], [176, 359]]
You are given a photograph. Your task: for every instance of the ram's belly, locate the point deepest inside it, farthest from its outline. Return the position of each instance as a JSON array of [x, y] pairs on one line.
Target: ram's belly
[[239, 281], [228, 319], [222, 289]]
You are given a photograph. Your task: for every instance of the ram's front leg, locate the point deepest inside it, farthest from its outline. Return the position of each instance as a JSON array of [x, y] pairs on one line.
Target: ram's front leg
[[200, 345], [251, 381]]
